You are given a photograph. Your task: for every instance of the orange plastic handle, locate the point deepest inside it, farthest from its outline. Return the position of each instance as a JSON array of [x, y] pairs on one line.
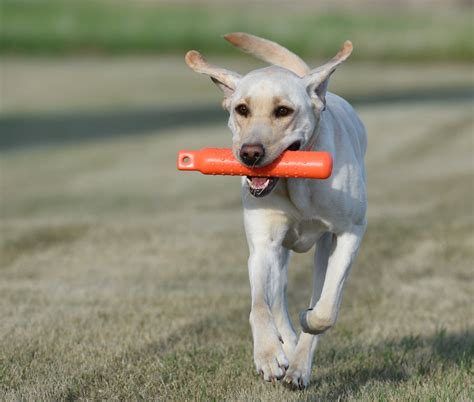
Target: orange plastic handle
[[221, 161]]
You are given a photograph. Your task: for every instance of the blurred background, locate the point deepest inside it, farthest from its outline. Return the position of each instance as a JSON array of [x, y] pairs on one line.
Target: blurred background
[[122, 278]]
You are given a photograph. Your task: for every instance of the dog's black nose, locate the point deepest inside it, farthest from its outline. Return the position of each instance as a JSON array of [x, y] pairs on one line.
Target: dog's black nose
[[252, 154]]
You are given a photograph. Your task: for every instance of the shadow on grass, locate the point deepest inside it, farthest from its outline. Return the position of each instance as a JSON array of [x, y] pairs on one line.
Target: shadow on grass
[[391, 361], [26, 131], [22, 132]]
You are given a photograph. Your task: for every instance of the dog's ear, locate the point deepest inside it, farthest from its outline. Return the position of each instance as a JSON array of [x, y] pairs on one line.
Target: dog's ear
[[268, 51], [226, 80], [318, 79]]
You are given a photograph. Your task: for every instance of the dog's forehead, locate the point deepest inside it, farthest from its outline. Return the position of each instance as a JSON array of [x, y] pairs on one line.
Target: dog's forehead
[[270, 81]]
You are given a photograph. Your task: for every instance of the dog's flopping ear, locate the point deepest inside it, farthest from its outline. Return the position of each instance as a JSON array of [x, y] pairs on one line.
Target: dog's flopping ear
[[226, 80], [268, 51], [318, 79]]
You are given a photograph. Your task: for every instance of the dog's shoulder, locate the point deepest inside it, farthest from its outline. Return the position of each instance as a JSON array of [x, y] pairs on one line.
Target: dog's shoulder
[[344, 115]]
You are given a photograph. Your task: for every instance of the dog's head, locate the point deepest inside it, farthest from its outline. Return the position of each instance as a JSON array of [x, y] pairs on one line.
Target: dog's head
[[271, 109]]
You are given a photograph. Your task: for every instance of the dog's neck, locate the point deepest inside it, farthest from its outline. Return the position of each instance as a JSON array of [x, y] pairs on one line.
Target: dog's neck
[[312, 141]]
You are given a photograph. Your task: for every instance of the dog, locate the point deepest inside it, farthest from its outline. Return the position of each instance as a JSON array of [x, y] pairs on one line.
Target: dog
[[287, 106]]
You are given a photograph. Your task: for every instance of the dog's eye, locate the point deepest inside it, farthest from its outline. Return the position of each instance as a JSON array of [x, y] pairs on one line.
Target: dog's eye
[[242, 110], [282, 111]]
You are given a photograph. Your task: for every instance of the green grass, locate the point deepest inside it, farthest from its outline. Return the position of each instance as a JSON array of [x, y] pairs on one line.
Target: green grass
[[123, 279], [67, 26]]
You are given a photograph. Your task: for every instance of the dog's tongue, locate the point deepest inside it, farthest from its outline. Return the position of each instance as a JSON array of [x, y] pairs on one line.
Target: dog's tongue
[[259, 181]]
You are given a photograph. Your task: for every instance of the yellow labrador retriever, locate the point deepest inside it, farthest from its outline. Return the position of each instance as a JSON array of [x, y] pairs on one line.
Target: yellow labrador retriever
[[287, 106]]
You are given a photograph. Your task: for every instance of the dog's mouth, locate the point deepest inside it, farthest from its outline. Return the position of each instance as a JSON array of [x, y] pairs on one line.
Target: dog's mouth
[[262, 186]]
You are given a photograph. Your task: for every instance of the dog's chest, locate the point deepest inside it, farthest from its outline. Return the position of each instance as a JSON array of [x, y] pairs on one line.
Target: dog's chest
[[311, 199], [311, 203], [302, 235]]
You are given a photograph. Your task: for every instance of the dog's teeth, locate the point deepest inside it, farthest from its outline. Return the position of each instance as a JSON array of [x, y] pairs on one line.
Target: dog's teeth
[[260, 183]]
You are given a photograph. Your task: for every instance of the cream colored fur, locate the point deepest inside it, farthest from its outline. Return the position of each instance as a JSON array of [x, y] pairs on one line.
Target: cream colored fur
[[299, 213]]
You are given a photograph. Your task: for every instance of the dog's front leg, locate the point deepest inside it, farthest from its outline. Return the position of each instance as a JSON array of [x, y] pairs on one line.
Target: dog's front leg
[[267, 272], [324, 314]]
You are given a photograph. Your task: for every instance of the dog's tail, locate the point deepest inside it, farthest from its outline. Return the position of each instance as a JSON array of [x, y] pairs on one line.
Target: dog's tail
[[268, 51]]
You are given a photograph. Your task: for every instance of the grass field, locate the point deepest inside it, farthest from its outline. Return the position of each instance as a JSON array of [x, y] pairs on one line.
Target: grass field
[[122, 279], [115, 27]]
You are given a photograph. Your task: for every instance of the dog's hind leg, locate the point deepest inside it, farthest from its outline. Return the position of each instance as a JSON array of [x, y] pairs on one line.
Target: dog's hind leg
[[299, 371]]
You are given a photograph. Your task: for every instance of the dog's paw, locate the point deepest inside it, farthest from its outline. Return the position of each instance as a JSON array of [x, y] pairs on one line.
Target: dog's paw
[[297, 377], [313, 322], [271, 362]]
